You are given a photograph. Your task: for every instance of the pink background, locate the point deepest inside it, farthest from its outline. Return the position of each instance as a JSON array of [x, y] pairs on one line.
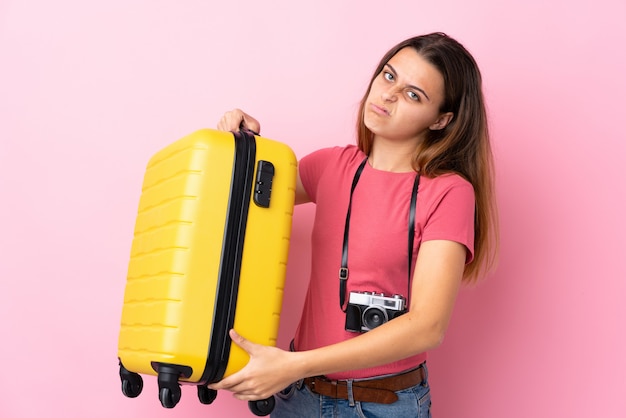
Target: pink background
[[89, 90]]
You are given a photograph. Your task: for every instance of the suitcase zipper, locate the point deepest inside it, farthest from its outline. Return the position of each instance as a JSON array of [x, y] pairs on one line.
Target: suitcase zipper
[[232, 252]]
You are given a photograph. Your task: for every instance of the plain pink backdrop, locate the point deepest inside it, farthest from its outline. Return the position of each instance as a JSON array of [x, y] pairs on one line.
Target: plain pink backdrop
[[89, 90]]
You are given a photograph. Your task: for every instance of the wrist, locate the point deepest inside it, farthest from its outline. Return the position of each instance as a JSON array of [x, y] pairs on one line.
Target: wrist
[[302, 364]]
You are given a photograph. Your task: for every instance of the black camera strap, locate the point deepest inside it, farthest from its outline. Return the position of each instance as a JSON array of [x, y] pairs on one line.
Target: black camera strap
[[343, 271]]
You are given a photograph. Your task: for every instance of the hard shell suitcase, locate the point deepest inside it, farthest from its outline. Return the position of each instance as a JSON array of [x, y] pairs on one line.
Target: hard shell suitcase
[[209, 253]]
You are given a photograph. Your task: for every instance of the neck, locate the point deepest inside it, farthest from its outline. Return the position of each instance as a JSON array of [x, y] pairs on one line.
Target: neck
[[391, 157]]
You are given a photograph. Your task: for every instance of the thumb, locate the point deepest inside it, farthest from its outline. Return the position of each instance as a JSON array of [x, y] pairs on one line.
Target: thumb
[[250, 123], [246, 345]]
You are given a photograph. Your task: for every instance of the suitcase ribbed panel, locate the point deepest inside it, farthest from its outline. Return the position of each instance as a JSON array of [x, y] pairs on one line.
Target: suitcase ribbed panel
[[167, 313]]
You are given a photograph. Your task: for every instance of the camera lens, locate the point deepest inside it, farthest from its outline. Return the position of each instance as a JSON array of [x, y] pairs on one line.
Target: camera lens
[[374, 316]]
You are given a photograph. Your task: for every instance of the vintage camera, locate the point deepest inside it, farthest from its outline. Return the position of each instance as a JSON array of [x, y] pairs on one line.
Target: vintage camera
[[368, 310]]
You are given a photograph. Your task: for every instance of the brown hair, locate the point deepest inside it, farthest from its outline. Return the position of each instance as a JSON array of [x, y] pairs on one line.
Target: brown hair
[[463, 146]]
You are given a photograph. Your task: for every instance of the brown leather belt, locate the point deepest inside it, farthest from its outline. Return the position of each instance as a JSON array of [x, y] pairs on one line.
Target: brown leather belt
[[378, 390]]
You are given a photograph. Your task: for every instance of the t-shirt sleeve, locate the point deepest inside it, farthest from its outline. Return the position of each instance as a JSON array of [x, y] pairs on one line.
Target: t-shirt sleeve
[[311, 168], [453, 217]]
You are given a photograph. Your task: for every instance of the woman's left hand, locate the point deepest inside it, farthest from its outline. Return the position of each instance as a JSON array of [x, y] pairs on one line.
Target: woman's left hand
[[269, 371]]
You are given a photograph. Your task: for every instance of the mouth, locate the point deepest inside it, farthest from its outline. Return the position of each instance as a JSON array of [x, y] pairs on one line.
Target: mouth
[[379, 109]]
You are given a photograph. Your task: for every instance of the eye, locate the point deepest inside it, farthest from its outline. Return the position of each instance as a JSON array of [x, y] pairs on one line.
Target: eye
[[388, 76], [413, 96]]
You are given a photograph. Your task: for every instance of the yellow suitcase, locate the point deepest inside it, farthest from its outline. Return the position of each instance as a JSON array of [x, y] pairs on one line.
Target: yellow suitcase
[[209, 253]]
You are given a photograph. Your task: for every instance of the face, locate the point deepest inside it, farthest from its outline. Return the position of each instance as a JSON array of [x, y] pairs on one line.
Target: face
[[405, 98]]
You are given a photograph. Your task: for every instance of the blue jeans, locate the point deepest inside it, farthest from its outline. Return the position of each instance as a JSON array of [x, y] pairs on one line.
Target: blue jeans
[[297, 400]]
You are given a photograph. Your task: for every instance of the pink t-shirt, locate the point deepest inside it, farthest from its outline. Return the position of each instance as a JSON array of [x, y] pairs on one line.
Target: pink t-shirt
[[377, 252]]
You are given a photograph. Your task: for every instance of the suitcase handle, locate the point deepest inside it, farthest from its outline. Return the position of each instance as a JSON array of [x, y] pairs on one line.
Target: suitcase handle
[[247, 130]]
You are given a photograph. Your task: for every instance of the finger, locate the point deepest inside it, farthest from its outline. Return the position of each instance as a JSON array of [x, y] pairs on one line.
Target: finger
[[229, 383], [250, 123], [248, 397], [248, 392], [237, 386], [231, 120]]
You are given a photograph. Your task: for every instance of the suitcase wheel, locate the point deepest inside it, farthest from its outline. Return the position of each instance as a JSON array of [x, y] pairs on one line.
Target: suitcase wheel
[[131, 388], [169, 389], [132, 383], [206, 395], [262, 407], [169, 396]]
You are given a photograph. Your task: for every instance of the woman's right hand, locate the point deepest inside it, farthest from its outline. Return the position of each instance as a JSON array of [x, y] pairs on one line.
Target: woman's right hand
[[237, 119]]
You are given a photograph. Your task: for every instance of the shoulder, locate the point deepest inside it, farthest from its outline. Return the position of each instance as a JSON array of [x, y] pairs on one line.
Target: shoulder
[[447, 194], [327, 165], [446, 183], [449, 206], [342, 153], [331, 159]]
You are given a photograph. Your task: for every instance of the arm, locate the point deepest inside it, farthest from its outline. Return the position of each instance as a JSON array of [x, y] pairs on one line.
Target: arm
[[301, 195], [436, 281], [437, 277]]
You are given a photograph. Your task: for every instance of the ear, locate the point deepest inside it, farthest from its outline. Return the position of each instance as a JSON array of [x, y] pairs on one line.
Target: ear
[[442, 121]]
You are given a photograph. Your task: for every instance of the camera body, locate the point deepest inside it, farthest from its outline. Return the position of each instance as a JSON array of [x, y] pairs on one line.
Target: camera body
[[368, 310]]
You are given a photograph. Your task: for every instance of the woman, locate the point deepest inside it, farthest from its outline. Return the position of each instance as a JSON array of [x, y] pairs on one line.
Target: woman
[[423, 164]]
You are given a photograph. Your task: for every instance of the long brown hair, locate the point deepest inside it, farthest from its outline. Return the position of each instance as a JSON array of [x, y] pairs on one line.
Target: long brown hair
[[463, 146]]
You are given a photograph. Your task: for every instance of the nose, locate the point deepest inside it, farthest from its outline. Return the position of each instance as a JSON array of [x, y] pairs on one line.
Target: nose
[[389, 95]]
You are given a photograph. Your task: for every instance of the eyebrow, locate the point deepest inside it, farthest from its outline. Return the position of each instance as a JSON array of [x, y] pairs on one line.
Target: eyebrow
[[393, 70]]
